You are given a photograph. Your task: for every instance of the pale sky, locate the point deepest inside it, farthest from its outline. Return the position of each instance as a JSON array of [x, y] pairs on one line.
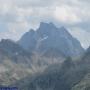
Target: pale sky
[[18, 16]]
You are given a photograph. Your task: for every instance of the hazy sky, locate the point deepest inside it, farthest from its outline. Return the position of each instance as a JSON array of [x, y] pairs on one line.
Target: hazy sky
[[18, 16]]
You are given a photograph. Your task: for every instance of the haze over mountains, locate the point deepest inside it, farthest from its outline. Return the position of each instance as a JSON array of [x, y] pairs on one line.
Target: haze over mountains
[[48, 58], [47, 37]]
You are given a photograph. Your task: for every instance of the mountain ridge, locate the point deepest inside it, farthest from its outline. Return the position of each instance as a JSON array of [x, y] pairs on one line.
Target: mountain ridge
[[49, 36]]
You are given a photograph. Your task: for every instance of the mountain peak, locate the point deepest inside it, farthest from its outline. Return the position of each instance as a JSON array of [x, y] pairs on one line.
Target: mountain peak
[[46, 29], [58, 38], [64, 29], [43, 24]]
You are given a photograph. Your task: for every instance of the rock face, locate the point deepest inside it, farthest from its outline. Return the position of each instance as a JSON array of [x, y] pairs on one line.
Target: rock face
[[14, 62], [70, 75], [14, 51], [48, 37]]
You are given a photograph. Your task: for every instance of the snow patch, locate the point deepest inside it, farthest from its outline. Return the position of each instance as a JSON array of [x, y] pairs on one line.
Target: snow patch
[[44, 38]]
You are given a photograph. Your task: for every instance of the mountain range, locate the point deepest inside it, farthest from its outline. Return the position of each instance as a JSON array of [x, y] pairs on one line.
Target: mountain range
[[69, 75], [48, 58]]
